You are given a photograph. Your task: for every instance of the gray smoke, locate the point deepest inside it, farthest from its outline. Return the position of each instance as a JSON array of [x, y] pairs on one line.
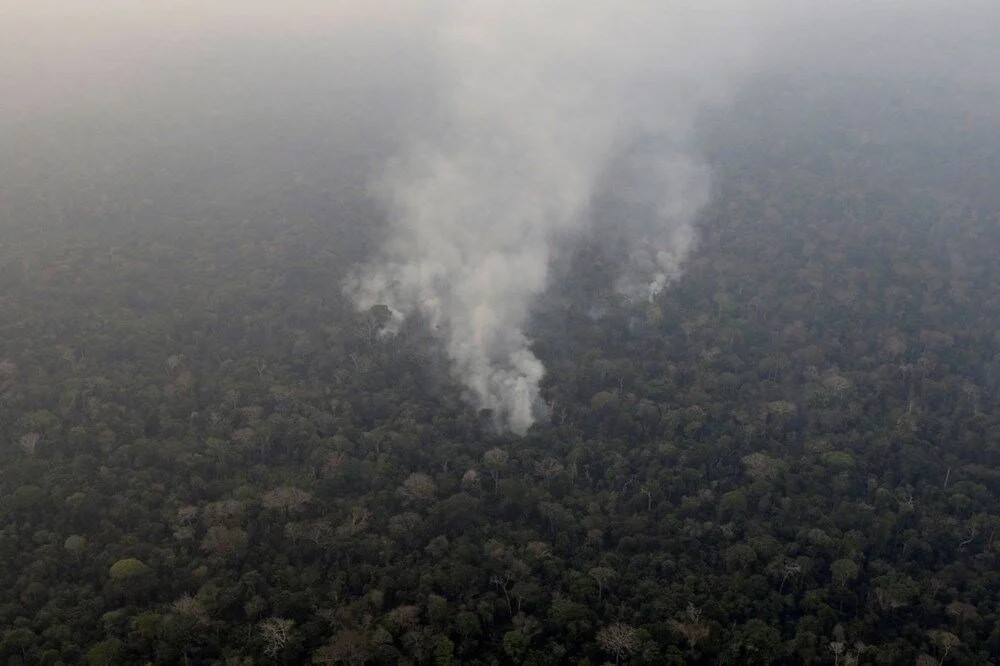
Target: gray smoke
[[541, 102], [506, 120]]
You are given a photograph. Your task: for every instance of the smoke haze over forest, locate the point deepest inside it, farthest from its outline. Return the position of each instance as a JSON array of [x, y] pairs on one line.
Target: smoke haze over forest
[[483, 331], [483, 133]]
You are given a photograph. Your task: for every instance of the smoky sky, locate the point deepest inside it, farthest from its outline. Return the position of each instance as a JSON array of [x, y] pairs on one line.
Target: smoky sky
[[181, 101], [184, 107], [482, 130]]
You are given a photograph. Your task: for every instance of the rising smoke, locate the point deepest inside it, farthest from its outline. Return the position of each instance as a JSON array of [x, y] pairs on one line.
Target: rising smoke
[[513, 117], [543, 105], [543, 101]]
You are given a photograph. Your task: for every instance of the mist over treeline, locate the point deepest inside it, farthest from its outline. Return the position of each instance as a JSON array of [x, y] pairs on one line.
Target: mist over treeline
[[191, 111], [457, 149], [499, 332], [126, 115]]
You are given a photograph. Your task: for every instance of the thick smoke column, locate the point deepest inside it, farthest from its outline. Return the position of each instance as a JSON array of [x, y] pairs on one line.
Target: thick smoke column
[[543, 105]]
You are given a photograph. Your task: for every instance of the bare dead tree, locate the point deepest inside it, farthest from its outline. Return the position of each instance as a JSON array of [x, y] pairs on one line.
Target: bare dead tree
[[29, 441], [619, 639], [275, 632]]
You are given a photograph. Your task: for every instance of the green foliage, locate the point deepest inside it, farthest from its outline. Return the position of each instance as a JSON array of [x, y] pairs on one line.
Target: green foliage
[[733, 504], [844, 571], [105, 653], [126, 569], [148, 625], [444, 652], [793, 447], [839, 459], [515, 644]]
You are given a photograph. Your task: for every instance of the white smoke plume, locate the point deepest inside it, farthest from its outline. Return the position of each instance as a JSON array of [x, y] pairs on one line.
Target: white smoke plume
[[542, 105], [510, 117]]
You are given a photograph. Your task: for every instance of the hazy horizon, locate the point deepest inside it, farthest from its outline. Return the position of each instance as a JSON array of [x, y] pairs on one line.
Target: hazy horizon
[[478, 135]]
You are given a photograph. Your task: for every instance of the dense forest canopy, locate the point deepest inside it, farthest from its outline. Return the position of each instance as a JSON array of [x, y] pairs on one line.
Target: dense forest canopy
[[208, 454]]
